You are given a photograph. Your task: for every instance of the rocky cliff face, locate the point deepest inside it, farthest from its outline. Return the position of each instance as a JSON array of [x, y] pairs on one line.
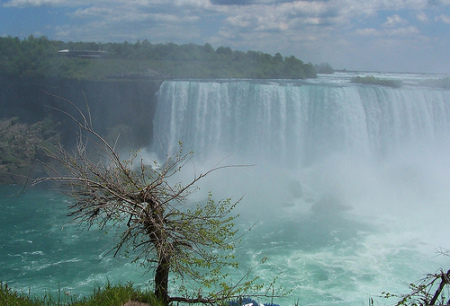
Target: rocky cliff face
[[21, 145], [117, 107]]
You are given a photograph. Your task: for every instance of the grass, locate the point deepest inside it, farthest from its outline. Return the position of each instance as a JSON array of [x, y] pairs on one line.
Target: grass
[[11, 297], [107, 296]]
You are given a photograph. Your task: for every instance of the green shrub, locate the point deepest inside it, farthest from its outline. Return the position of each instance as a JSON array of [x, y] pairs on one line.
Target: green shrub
[[11, 297], [371, 80]]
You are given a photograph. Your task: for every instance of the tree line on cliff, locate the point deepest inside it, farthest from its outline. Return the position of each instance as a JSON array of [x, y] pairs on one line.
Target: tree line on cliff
[[39, 57]]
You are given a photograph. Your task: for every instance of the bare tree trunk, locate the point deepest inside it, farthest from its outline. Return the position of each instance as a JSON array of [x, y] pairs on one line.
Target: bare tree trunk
[[444, 281], [162, 279], [155, 230]]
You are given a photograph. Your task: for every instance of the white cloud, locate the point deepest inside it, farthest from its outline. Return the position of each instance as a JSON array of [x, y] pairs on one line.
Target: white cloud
[[282, 17], [442, 2], [28, 3], [173, 18], [368, 32], [443, 18], [393, 21], [398, 4], [77, 3], [306, 7], [422, 17], [93, 11], [405, 31], [193, 3], [402, 31]]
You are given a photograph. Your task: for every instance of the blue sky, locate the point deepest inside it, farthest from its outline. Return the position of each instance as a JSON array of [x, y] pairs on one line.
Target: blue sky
[[375, 35]]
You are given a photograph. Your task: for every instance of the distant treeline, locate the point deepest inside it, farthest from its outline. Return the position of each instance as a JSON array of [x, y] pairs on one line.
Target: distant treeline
[[39, 57], [371, 80]]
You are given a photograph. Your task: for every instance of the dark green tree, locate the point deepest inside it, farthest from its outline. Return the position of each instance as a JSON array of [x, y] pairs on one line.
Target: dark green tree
[[278, 58], [208, 48], [225, 52]]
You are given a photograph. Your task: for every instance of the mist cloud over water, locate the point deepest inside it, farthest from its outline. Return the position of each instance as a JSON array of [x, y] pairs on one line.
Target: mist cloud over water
[[349, 183]]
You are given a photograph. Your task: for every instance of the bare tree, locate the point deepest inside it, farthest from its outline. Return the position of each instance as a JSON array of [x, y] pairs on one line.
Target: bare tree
[[429, 290], [157, 223]]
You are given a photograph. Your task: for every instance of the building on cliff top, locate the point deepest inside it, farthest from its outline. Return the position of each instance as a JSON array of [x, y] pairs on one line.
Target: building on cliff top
[[82, 53]]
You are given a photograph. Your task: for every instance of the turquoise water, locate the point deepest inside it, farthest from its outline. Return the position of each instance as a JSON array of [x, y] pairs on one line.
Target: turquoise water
[[42, 251], [326, 258]]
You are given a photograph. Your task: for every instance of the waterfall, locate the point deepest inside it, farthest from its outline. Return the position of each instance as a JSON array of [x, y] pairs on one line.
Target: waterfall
[[296, 123], [349, 184]]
